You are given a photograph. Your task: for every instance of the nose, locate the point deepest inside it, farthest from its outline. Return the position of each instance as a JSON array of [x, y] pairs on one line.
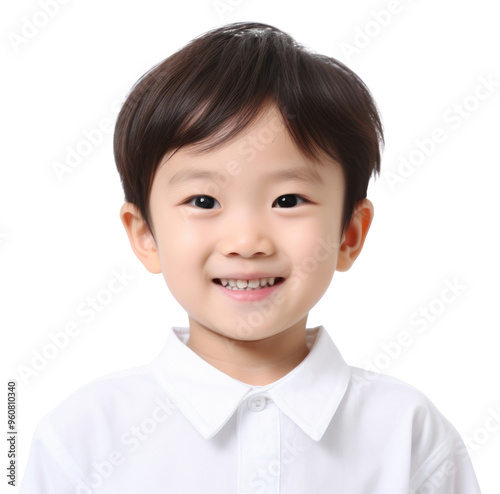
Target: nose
[[246, 237]]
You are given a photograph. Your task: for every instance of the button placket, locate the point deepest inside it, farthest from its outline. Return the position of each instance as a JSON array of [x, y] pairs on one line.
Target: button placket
[[259, 466]]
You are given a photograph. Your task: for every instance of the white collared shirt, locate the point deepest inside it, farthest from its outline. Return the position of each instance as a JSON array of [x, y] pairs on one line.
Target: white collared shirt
[[179, 425]]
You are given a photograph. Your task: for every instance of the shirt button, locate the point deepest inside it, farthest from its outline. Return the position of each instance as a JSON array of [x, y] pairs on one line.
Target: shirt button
[[257, 403]]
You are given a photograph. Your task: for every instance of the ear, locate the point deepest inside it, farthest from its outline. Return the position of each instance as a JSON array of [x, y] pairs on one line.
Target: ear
[[354, 237], [141, 239]]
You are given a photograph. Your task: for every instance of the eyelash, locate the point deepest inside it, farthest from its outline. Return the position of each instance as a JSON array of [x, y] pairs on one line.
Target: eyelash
[[187, 201]]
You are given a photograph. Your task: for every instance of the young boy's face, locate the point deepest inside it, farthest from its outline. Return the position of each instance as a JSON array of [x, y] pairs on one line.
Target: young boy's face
[[245, 211]]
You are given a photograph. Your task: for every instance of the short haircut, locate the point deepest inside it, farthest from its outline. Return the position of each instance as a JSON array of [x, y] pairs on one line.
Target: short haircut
[[215, 86]]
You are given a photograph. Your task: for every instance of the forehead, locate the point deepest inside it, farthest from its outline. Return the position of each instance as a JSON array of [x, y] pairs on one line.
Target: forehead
[[263, 149]]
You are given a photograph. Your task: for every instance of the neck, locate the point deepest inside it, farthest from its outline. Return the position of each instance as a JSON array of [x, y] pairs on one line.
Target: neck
[[257, 362]]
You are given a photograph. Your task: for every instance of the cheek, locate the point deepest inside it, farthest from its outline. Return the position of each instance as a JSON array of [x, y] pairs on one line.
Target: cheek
[[320, 260], [315, 253], [183, 251], [311, 237], [192, 231]]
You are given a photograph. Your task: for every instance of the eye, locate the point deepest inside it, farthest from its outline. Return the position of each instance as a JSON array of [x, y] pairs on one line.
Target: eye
[[289, 200], [202, 201]]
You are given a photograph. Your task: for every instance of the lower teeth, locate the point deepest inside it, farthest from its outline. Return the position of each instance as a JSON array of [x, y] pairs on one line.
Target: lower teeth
[[247, 289]]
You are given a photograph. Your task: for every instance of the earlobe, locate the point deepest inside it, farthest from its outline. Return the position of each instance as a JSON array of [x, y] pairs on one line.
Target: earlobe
[[355, 235], [140, 238]]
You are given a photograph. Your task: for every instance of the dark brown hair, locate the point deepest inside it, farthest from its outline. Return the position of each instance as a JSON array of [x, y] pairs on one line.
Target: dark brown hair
[[216, 85]]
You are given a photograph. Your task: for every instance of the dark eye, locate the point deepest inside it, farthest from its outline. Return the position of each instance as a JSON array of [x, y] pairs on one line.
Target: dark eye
[[204, 202], [289, 200]]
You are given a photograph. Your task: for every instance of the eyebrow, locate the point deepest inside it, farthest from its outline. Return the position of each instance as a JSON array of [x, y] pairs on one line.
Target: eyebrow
[[306, 175]]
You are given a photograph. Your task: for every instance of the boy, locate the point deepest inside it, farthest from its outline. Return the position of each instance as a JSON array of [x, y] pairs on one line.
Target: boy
[[245, 161]]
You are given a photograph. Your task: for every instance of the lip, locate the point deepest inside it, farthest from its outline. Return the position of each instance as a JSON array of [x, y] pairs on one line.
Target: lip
[[250, 295]]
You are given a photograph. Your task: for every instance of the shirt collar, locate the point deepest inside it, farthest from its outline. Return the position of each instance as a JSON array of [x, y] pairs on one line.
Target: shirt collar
[[309, 394]]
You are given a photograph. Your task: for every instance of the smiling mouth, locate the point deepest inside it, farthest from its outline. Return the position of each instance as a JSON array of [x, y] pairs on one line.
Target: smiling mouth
[[249, 285]]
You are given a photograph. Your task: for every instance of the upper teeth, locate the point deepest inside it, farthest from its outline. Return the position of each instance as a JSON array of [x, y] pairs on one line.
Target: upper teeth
[[247, 283]]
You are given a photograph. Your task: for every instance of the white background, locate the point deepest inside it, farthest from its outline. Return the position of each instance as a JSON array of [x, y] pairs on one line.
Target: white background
[[61, 239]]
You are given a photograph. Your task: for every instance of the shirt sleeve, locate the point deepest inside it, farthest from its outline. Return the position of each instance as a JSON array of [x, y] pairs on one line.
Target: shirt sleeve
[[447, 469], [49, 469]]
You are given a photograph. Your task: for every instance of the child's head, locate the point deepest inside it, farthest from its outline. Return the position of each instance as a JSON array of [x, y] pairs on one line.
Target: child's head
[[244, 102]]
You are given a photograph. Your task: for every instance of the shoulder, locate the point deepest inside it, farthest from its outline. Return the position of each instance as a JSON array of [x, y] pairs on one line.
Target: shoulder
[[108, 390], [84, 427], [396, 400], [406, 416], [110, 403], [376, 387]]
